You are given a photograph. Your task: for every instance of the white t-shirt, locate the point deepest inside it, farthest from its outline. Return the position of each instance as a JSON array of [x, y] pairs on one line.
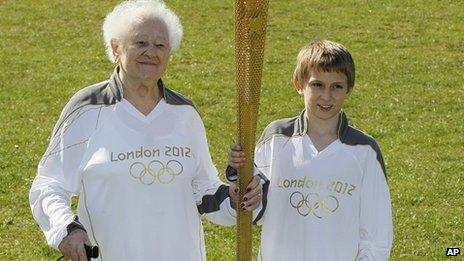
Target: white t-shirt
[[326, 205], [142, 181]]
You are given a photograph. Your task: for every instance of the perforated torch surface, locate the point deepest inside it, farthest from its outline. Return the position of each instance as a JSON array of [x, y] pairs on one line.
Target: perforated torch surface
[[250, 33]]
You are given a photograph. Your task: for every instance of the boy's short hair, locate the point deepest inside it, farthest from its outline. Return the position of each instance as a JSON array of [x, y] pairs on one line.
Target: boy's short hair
[[324, 55]]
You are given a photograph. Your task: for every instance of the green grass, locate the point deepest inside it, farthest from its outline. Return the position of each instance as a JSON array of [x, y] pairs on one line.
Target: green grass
[[409, 95]]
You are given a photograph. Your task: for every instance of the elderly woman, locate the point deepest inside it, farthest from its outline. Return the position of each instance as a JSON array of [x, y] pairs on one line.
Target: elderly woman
[[135, 152]]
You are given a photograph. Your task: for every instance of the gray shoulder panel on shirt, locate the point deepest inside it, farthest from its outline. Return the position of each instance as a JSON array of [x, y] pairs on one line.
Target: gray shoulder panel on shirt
[[175, 98], [96, 94], [109, 92], [297, 126], [284, 127], [103, 93], [352, 136]]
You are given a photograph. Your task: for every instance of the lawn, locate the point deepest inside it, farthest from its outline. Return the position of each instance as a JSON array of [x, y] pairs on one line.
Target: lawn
[[409, 95]]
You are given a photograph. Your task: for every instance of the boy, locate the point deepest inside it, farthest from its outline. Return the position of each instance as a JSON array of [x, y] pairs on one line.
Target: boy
[[328, 197]]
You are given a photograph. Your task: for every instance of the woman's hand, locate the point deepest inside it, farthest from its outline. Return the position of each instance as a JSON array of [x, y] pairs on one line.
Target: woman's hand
[[72, 246], [252, 197]]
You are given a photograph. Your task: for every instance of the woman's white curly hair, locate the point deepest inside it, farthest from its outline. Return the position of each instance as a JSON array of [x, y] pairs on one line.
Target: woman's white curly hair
[[119, 21]]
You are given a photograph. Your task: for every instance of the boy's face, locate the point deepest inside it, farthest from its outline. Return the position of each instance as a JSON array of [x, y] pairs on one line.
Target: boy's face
[[324, 93]]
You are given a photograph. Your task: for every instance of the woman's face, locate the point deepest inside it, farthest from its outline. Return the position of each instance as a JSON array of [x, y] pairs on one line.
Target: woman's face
[[144, 53]]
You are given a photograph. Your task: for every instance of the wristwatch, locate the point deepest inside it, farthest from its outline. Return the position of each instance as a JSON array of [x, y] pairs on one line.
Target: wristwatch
[[75, 224]]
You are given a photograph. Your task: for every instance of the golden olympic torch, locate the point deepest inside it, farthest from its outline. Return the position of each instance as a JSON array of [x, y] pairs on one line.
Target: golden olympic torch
[[250, 31]]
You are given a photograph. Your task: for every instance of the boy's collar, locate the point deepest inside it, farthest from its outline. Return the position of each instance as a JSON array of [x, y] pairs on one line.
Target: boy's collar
[[301, 126]]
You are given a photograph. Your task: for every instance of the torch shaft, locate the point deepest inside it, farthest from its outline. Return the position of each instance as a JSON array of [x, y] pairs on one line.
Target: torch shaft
[[250, 32]]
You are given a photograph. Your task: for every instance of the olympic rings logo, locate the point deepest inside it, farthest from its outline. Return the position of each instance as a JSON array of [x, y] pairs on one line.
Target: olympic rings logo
[[312, 203], [156, 170]]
